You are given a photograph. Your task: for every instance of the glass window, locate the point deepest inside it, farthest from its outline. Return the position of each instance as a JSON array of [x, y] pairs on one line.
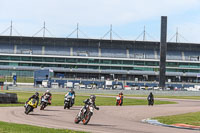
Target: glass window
[[116, 68], [139, 63], [105, 67], [26, 58], [17, 58], [93, 67], [39, 59], [82, 60], [172, 64], [4, 58], [106, 61], [60, 59], [70, 60], [128, 62], [49, 59], [116, 62], [151, 63]]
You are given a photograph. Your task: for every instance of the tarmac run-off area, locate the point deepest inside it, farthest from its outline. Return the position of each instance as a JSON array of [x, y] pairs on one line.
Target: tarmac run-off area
[[109, 119]]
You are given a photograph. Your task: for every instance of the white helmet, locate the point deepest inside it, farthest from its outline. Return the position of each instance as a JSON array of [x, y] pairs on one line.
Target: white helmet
[[47, 91]]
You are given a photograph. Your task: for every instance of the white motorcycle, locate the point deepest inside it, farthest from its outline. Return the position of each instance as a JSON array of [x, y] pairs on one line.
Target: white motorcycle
[[44, 102], [68, 101], [85, 116]]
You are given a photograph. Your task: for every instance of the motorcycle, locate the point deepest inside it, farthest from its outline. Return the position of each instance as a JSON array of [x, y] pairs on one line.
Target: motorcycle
[[32, 103], [68, 101], [44, 102], [85, 116], [118, 101], [150, 101]]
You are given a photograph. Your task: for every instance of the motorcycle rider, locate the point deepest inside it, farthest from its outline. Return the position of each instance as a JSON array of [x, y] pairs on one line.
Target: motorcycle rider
[[88, 102], [71, 93], [49, 98], [150, 99], [35, 96], [121, 97]]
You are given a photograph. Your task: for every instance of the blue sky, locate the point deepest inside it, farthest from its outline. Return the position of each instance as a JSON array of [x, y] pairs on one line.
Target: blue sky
[[128, 17]]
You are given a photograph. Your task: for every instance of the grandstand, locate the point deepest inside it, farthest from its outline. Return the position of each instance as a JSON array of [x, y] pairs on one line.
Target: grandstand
[[97, 58]]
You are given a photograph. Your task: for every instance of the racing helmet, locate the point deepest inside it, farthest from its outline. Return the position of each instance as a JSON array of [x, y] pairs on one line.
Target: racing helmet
[[93, 97], [37, 94]]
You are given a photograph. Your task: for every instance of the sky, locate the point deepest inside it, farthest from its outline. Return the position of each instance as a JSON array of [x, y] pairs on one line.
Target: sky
[[95, 17]]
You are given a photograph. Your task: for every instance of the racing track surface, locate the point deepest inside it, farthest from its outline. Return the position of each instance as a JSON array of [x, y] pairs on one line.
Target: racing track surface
[[108, 119]]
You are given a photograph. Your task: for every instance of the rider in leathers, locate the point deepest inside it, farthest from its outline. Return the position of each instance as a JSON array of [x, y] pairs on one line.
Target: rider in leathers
[[49, 98], [35, 96], [89, 102]]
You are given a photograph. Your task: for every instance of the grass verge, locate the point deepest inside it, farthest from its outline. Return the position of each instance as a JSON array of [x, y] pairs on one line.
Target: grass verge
[[189, 118], [58, 100], [22, 128]]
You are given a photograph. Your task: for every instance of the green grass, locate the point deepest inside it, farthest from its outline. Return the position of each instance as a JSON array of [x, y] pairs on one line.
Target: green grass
[[21, 128], [189, 118], [19, 79], [156, 96], [58, 100]]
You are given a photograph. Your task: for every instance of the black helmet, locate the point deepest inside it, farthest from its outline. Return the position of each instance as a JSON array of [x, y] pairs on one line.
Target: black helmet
[[37, 94], [93, 97]]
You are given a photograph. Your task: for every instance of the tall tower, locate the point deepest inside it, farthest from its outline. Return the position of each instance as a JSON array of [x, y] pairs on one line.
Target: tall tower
[[163, 51]]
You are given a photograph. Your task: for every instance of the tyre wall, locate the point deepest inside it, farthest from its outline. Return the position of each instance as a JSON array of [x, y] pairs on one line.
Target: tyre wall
[[8, 98]]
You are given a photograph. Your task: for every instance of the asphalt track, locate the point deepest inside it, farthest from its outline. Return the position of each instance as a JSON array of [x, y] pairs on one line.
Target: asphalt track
[[109, 119]]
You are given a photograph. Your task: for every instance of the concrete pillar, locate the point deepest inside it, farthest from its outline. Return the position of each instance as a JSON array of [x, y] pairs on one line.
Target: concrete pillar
[[99, 52], [71, 51], [15, 49], [43, 50], [163, 51], [127, 53]]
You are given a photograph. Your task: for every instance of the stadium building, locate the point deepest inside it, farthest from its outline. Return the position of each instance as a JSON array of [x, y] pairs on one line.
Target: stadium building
[[97, 58]]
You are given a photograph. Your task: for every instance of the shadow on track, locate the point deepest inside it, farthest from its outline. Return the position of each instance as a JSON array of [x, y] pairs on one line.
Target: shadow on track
[[100, 125], [72, 109], [39, 114], [50, 110]]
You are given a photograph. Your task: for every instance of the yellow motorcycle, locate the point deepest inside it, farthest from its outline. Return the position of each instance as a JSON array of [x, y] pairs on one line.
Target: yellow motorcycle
[[30, 106]]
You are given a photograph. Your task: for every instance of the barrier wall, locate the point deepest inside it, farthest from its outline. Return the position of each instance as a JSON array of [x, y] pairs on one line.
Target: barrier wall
[[8, 98]]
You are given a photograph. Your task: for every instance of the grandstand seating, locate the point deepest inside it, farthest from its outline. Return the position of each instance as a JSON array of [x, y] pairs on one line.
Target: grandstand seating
[[191, 55], [120, 53], [6, 48], [57, 50], [85, 51], [174, 55], [91, 51]]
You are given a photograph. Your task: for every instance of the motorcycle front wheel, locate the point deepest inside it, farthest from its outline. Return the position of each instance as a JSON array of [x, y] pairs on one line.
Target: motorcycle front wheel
[[42, 106], [77, 119], [87, 118], [28, 109], [65, 106]]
